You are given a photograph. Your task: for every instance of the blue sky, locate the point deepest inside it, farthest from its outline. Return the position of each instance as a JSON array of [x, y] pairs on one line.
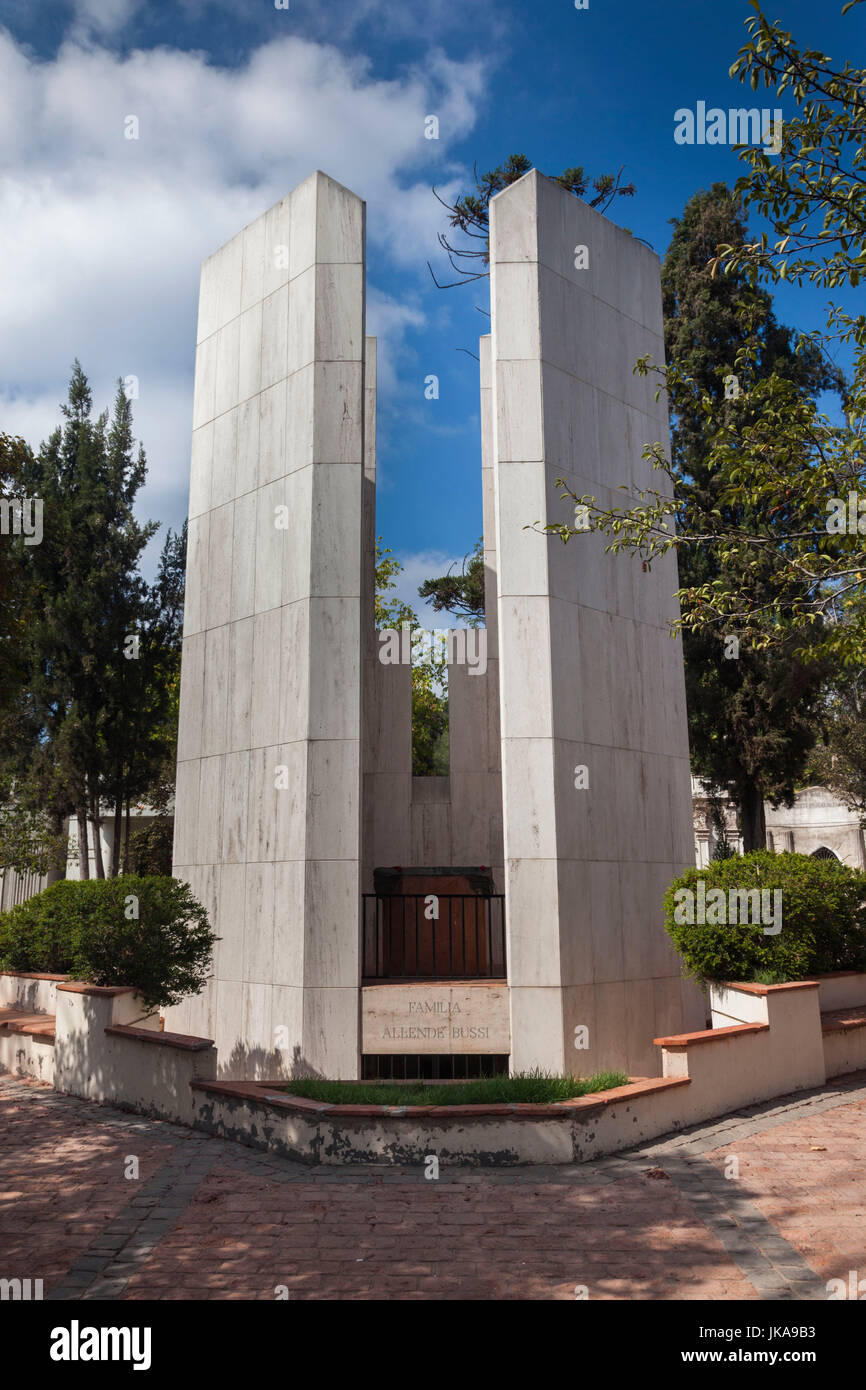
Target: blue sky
[[101, 238]]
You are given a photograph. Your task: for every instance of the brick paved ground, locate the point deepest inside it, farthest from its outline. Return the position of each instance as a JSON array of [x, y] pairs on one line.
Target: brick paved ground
[[211, 1219]]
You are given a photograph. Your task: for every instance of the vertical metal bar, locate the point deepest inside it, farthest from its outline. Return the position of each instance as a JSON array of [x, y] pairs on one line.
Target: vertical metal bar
[[500, 937], [417, 952], [502, 932], [488, 936]]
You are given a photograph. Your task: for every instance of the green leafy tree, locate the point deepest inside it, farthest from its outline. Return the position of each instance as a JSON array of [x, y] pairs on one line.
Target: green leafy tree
[[429, 672], [95, 704], [463, 593], [90, 592], [469, 214], [751, 711], [13, 453], [838, 761], [29, 842], [782, 464], [146, 689]]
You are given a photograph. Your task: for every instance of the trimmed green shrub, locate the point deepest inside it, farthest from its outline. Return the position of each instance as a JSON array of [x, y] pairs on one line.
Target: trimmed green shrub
[[35, 935], [149, 932], [823, 919]]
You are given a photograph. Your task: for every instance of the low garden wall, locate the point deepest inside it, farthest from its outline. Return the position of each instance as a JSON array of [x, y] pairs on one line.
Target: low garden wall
[[309, 1131], [108, 1048], [817, 1026], [766, 1041], [101, 1044], [28, 1051], [22, 989], [27, 1009]]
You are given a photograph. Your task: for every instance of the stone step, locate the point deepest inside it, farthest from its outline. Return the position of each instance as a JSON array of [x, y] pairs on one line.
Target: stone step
[[25, 1021]]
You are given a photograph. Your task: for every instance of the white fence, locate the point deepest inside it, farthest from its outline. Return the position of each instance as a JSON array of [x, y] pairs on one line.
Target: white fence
[[16, 888]]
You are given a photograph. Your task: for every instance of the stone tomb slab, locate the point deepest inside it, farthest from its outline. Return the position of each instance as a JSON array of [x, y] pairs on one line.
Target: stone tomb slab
[[438, 1018]]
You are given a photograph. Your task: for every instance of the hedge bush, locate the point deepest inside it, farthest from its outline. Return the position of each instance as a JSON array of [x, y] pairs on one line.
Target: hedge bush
[[89, 929], [823, 920]]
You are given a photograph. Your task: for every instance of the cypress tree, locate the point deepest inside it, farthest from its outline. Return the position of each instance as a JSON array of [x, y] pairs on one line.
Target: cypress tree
[[86, 597], [752, 711]]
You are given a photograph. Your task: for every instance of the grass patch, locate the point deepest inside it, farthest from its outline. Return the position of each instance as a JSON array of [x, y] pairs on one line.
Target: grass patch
[[771, 977], [532, 1087]]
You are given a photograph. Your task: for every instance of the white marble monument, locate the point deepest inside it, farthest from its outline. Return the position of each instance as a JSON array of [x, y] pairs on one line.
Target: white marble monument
[[297, 814]]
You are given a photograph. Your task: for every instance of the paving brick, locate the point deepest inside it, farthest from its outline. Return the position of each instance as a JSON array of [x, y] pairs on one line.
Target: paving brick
[[208, 1220]]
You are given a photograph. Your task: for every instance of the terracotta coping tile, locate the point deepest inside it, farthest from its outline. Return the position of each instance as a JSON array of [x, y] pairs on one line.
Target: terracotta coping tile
[[261, 1092], [842, 1020], [32, 975], [538, 1110], [44, 1027], [239, 1088], [81, 987], [306, 1103], [645, 1087], [765, 989], [708, 1035], [502, 1109], [34, 1025], [182, 1041], [365, 1110]]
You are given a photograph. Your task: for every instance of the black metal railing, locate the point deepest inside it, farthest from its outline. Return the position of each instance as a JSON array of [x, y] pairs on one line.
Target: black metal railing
[[443, 936]]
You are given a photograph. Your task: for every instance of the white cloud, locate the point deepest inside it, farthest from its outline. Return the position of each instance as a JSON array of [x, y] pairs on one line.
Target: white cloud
[[388, 320], [418, 566], [103, 16], [101, 237]]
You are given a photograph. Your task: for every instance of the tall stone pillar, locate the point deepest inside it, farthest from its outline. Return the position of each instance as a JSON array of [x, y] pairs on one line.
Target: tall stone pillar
[[595, 770], [268, 785]]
